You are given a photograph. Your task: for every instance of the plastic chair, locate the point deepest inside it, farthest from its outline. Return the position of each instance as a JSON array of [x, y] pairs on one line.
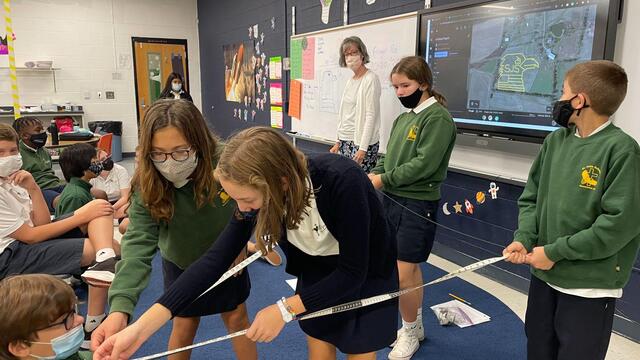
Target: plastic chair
[[105, 143]]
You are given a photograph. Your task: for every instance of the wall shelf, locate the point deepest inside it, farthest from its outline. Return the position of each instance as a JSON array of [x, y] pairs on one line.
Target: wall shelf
[[36, 70]]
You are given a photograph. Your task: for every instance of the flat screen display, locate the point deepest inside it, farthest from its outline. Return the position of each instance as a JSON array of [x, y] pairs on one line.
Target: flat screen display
[[501, 64]]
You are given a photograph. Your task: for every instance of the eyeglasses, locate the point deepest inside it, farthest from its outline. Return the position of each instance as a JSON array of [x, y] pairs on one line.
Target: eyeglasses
[[68, 320], [355, 52], [177, 155]]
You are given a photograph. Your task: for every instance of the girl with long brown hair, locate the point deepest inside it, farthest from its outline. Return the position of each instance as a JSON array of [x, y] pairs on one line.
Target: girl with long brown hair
[[410, 174], [307, 204], [176, 206]]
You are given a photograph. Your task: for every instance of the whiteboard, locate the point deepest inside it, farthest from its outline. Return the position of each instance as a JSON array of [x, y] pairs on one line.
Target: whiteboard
[[387, 40]]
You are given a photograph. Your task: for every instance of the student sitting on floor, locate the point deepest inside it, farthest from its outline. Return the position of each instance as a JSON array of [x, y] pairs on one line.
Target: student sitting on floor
[[31, 243], [36, 159], [39, 319], [114, 180], [578, 222]]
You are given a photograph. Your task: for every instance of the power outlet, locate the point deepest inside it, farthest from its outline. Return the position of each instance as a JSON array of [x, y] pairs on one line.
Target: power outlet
[[110, 95]]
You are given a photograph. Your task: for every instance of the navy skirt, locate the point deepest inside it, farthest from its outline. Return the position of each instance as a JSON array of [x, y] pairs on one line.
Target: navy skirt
[[223, 298], [359, 331]]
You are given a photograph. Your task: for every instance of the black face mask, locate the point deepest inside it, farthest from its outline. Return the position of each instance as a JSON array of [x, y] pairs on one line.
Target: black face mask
[[562, 111], [38, 140], [107, 164], [411, 101], [96, 168], [249, 215]]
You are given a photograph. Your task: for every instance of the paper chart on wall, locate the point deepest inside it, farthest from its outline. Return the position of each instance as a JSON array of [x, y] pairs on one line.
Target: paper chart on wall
[[387, 41]]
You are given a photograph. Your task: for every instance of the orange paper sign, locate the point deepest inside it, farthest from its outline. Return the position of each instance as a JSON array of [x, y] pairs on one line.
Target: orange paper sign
[[295, 95]]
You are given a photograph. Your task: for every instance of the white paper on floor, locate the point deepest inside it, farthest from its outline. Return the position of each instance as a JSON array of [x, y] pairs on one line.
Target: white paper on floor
[[459, 313]]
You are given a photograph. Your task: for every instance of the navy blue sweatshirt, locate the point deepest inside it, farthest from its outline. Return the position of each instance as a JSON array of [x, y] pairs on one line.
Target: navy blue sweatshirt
[[352, 212]]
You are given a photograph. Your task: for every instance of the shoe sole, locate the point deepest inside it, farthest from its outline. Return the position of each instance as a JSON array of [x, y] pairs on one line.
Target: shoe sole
[[98, 278], [420, 339]]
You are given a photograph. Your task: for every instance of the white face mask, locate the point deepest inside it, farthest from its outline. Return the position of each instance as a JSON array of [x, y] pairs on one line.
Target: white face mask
[[10, 164], [353, 61], [176, 87], [177, 172]]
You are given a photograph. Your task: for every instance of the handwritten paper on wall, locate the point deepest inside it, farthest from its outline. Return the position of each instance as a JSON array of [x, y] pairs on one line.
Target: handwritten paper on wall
[[308, 57], [276, 117], [295, 94], [275, 68], [275, 93], [296, 58]]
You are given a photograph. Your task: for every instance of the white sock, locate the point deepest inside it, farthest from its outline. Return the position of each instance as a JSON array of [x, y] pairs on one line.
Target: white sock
[[104, 254], [420, 313], [91, 322], [409, 325]]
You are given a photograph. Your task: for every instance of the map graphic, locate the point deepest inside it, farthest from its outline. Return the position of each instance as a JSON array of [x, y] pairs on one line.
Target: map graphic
[[517, 63]]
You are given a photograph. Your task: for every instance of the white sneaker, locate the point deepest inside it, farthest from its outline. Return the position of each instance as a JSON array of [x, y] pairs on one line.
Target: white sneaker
[[419, 332], [406, 345]]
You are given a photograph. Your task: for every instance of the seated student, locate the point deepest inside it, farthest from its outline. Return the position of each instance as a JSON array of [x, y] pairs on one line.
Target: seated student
[[115, 182], [36, 159], [79, 164], [174, 88], [31, 243], [39, 319], [578, 222]]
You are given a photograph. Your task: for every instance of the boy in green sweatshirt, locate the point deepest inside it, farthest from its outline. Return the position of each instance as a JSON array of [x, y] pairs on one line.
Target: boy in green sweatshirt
[[578, 226]]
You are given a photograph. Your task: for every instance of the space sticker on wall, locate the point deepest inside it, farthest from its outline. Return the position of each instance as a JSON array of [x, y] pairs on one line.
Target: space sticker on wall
[[326, 6]]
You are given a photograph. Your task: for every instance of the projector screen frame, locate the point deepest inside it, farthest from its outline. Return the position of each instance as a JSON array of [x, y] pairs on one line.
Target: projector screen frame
[[614, 16]]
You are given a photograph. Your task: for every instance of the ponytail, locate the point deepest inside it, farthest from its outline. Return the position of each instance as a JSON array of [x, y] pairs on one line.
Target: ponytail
[[439, 97]]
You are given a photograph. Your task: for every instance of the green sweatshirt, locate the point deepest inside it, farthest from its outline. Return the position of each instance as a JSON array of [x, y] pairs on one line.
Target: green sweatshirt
[[182, 240], [75, 195], [38, 163], [581, 203], [418, 153]]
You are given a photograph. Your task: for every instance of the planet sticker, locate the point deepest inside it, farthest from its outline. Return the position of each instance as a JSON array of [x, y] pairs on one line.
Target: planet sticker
[[480, 197]]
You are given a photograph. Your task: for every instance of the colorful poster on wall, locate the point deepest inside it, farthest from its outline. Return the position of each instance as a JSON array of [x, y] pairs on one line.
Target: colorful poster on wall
[[239, 72], [4, 49], [275, 93], [276, 117], [296, 58], [295, 98], [308, 57], [275, 68]]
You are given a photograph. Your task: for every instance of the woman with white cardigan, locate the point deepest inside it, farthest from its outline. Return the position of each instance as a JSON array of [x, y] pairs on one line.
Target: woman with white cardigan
[[359, 117]]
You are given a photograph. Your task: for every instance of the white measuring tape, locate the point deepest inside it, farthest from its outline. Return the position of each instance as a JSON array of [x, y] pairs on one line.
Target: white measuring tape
[[328, 311]]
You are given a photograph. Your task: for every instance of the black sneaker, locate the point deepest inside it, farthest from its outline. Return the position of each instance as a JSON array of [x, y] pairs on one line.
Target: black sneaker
[[101, 274]]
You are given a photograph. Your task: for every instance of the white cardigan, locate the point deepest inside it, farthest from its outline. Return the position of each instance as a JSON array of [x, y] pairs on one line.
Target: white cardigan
[[367, 126]]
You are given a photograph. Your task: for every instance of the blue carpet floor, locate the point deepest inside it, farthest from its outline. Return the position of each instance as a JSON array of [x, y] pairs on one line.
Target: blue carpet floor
[[501, 338]]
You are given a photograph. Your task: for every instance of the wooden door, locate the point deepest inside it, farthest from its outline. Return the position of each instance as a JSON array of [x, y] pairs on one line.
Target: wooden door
[[154, 60]]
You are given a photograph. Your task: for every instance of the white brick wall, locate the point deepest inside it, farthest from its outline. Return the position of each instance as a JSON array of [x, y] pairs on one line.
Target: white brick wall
[[85, 38]]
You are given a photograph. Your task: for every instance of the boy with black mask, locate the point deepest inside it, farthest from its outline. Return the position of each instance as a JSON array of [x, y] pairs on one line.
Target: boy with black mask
[[577, 226], [36, 159]]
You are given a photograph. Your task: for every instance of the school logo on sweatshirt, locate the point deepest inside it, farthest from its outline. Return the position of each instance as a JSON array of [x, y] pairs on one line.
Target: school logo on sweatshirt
[[589, 177], [413, 133]]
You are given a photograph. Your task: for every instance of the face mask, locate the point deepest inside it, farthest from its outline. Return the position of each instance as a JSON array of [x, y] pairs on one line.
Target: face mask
[[176, 87], [107, 164], [353, 61], [64, 345], [38, 140], [96, 168], [411, 101], [562, 111], [10, 164], [177, 172], [249, 215]]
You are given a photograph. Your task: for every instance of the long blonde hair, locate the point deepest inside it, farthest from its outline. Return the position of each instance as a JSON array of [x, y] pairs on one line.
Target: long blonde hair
[[156, 191], [261, 158]]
